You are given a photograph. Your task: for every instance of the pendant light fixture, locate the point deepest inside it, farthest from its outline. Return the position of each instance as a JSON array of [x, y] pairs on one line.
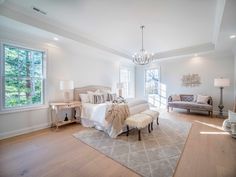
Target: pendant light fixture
[[143, 57]]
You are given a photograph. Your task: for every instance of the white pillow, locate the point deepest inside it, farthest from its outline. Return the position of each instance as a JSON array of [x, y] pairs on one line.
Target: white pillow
[[176, 98], [105, 94], [84, 98], [202, 99], [90, 95], [232, 116]]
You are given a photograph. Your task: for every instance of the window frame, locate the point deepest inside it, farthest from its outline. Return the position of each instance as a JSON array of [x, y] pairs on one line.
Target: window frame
[[159, 72], [128, 83], [30, 107]]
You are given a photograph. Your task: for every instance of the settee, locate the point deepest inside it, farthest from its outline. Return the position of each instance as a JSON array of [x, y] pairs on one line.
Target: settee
[[191, 102]]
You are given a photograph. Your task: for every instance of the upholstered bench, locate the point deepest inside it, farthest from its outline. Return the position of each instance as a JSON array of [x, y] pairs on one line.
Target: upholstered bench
[[139, 121], [153, 114]]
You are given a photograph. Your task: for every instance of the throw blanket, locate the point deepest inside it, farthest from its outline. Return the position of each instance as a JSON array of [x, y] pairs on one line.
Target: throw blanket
[[116, 116]]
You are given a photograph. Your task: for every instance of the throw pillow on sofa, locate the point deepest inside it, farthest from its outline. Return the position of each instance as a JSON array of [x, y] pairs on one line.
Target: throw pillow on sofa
[[176, 98], [202, 99]]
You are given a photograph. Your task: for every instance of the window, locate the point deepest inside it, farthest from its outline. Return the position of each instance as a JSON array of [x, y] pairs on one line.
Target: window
[[125, 79], [22, 77], [152, 86]]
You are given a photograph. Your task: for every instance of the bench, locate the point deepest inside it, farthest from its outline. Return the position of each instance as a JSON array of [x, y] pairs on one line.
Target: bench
[[142, 120]]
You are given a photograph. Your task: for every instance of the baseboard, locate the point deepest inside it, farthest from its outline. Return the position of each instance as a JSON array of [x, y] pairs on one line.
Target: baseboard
[[23, 131]]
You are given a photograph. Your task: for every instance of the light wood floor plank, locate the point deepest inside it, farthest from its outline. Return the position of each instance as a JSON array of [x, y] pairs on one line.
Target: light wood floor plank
[[48, 153]]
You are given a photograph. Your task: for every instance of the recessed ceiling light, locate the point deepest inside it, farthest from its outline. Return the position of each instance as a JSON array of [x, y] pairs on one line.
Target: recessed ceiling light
[[232, 36], [55, 39]]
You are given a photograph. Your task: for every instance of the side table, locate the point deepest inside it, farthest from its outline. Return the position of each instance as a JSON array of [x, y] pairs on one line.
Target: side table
[[56, 107]]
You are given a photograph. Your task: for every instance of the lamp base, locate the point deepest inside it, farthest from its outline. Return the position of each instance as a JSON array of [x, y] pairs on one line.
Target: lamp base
[[67, 97], [221, 107]]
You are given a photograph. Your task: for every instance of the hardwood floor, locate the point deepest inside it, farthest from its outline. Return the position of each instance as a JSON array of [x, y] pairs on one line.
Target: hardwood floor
[[48, 153]]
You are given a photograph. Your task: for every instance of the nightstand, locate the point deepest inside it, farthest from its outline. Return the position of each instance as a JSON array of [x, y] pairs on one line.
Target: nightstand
[[59, 106]]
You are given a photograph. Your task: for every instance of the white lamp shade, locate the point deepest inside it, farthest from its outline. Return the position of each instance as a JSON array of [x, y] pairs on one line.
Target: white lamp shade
[[119, 85], [67, 85], [221, 82]]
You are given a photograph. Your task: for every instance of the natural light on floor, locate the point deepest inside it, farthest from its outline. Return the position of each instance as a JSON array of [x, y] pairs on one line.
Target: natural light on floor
[[214, 133], [210, 125]]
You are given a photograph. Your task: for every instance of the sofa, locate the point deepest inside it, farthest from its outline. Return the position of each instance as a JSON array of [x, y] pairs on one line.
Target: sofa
[[191, 102]]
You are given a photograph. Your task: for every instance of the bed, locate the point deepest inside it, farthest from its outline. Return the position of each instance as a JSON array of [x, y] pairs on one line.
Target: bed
[[93, 115]]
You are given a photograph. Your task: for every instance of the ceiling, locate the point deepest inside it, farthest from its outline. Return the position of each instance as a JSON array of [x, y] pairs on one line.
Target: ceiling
[[183, 26]]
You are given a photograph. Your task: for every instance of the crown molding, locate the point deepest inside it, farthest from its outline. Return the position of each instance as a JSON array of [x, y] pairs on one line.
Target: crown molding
[[202, 48], [220, 7]]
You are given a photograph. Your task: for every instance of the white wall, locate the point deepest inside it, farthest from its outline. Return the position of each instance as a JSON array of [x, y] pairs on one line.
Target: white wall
[[66, 59], [208, 67]]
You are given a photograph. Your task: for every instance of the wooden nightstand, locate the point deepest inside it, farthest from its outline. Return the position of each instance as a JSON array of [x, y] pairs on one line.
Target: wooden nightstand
[[56, 107]]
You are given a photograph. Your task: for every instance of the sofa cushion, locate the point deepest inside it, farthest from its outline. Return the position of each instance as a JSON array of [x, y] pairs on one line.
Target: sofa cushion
[[188, 98], [176, 98], [190, 105], [202, 99]]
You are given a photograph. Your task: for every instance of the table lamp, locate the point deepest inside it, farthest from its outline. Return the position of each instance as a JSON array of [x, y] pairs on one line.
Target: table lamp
[[120, 86], [221, 83], [66, 86]]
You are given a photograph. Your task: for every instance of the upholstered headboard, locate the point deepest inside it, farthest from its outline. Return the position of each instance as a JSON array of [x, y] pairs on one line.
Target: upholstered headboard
[[91, 88]]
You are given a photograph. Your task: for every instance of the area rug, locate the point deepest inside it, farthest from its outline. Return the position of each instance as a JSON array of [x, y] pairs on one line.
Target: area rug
[[155, 156]]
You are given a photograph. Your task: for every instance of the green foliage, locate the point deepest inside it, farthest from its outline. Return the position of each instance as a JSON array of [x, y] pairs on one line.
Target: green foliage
[[23, 76]]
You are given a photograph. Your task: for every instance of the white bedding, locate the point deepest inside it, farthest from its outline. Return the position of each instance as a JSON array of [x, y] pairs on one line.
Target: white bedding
[[93, 115]]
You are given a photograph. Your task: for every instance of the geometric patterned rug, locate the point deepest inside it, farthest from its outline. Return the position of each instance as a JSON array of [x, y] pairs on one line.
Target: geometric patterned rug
[[155, 156]]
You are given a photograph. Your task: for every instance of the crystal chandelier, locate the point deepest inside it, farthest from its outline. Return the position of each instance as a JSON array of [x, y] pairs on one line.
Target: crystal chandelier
[[143, 57]]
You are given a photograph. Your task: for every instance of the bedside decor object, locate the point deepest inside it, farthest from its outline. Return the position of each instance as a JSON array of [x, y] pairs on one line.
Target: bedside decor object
[[143, 57], [120, 86], [191, 80], [221, 83], [66, 118], [58, 106], [66, 86]]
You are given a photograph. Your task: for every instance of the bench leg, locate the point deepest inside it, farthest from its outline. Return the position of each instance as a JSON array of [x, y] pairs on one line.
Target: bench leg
[[152, 126], [127, 133], [157, 120], [139, 134], [149, 128]]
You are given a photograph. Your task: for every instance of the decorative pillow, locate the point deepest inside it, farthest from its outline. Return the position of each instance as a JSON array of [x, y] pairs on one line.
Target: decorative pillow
[[105, 93], [202, 99], [99, 98], [111, 96], [84, 98], [195, 98], [232, 116], [175, 98], [90, 94], [187, 98]]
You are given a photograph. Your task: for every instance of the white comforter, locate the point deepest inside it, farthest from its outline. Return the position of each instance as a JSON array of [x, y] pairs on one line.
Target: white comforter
[[93, 115]]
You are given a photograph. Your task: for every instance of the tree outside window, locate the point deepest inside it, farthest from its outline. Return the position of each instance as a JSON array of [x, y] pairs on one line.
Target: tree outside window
[[22, 77], [152, 87]]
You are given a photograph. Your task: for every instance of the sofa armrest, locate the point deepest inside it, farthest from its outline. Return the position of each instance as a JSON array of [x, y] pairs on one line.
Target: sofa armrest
[[210, 101], [170, 99]]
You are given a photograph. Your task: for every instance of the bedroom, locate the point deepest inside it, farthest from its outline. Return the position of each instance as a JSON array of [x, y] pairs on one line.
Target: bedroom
[[97, 50]]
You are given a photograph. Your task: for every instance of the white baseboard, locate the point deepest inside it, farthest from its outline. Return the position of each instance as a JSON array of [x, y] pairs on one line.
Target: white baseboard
[[23, 131]]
